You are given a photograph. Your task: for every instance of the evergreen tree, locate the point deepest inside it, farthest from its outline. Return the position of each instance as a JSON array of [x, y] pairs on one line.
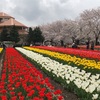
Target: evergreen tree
[[14, 35], [30, 36], [4, 35], [37, 34]]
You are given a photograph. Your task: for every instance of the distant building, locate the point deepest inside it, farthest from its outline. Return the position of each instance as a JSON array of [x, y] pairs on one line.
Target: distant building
[[8, 21]]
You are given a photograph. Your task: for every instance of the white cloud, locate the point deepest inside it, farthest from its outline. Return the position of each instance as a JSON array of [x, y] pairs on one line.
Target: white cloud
[[36, 12]]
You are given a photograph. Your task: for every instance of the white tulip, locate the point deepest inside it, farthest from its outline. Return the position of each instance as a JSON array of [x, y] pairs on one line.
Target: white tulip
[[91, 88], [95, 96], [98, 88]]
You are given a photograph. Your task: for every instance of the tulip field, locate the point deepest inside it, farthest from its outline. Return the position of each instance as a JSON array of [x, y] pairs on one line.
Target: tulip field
[[20, 80], [76, 70]]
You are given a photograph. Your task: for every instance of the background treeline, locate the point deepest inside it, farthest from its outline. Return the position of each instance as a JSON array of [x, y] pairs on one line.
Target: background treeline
[[84, 28]]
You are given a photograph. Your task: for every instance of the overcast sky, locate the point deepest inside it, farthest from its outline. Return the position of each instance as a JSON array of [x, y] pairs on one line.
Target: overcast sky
[[38, 12]]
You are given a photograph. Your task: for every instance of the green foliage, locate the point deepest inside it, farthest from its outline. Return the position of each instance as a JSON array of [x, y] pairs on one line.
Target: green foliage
[[30, 36], [35, 36], [14, 35], [4, 36], [11, 35], [38, 35]]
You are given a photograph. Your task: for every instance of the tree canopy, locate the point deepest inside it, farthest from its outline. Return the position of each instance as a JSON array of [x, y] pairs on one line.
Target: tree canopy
[[35, 36], [14, 35], [4, 34], [10, 35]]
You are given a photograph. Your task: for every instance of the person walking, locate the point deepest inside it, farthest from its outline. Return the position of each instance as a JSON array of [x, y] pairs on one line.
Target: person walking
[[74, 45]]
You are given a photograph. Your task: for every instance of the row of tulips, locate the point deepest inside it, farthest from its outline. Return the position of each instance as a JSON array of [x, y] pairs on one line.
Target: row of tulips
[[1, 49], [20, 80], [97, 47], [85, 85], [81, 62], [78, 52]]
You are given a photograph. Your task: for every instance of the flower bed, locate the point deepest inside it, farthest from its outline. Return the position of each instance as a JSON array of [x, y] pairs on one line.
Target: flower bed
[[97, 47], [85, 85], [20, 80], [82, 53], [1, 49], [71, 60]]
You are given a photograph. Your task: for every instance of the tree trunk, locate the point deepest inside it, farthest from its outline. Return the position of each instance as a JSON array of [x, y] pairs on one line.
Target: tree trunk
[[96, 41]]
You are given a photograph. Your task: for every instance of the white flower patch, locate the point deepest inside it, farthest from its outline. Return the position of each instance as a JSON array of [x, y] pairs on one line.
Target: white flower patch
[[86, 81], [95, 96]]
